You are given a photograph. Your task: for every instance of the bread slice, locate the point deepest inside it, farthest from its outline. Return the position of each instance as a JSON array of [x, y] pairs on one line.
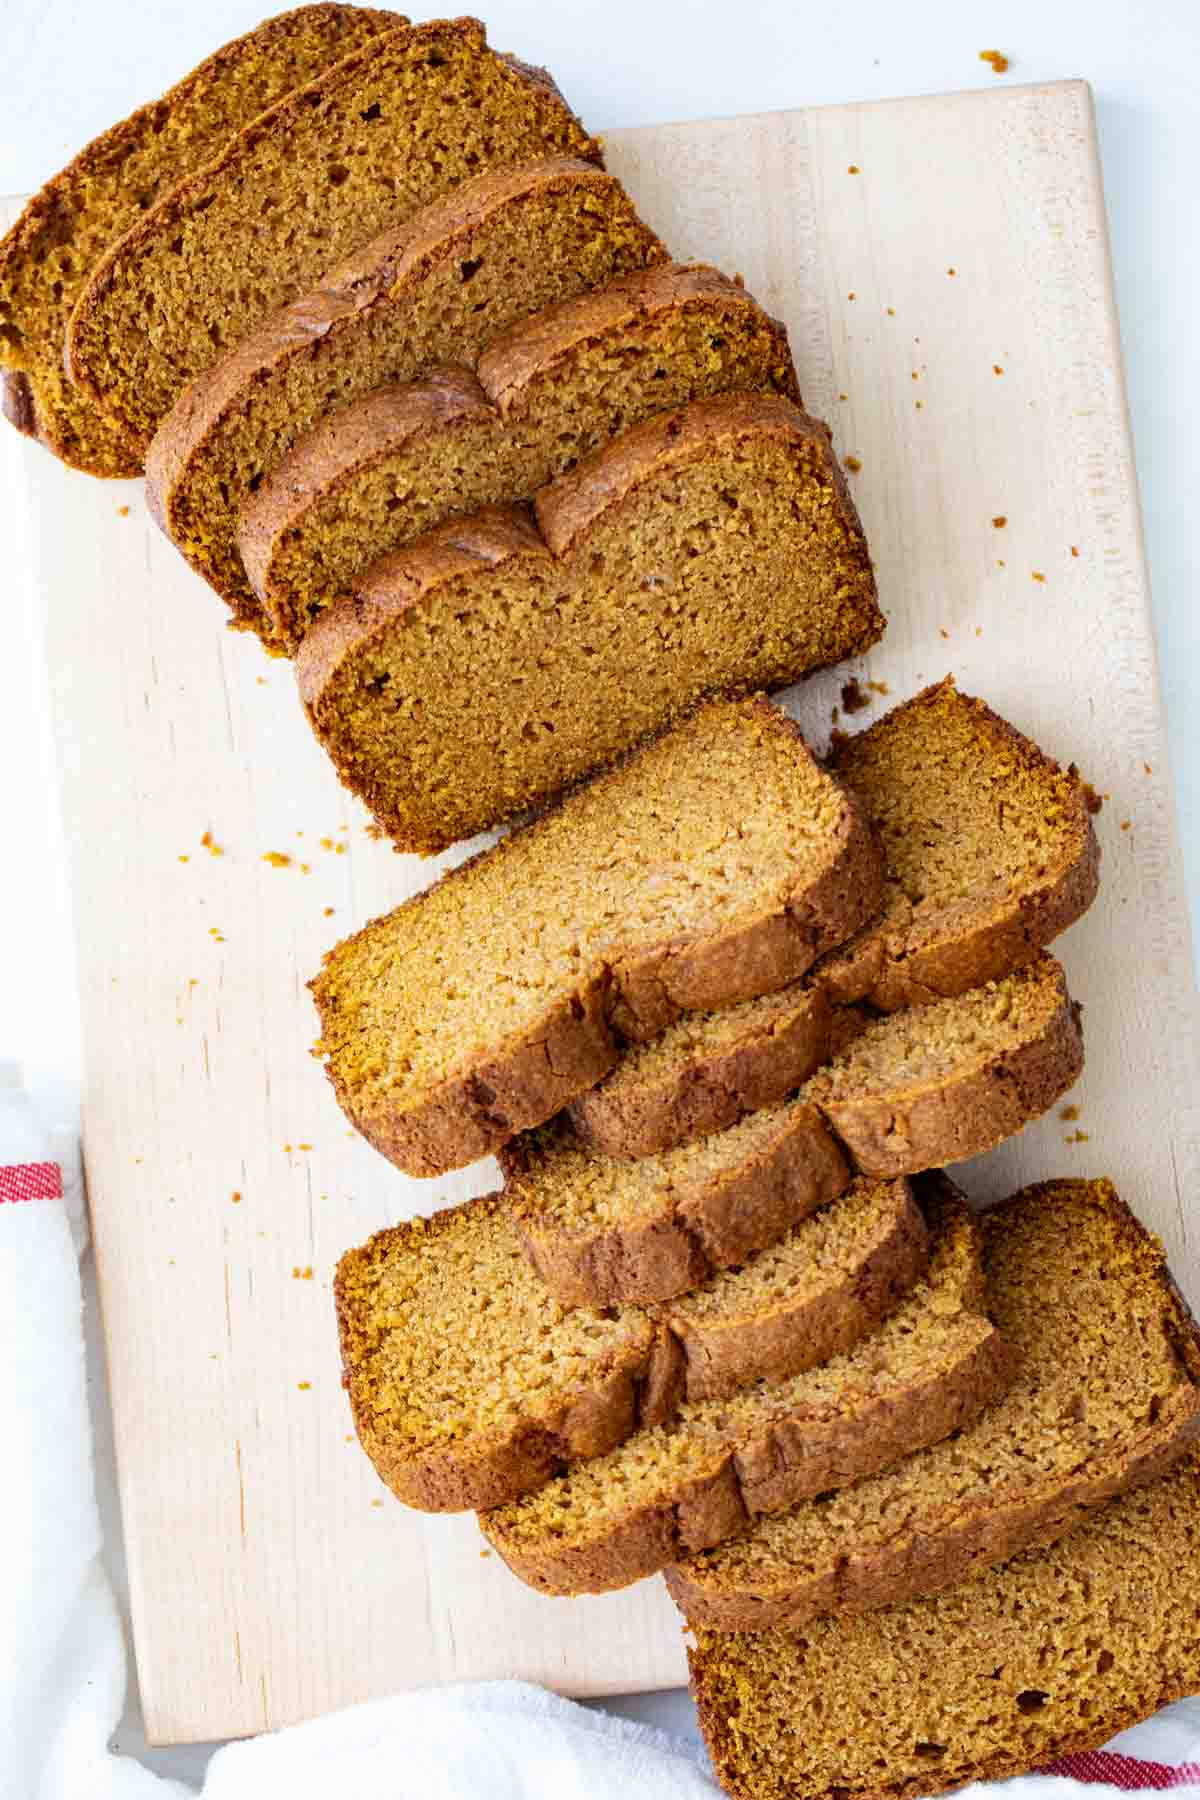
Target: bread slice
[[429, 291], [717, 863], [603, 1231], [934, 1084], [469, 1385], [372, 475], [1048, 1656], [679, 1488], [709, 1069], [367, 144], [990, 847], [488, 663], [1107, 1394], [48, 255]]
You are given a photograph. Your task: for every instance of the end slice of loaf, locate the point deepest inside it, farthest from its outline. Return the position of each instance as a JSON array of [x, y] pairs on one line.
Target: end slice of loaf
[[1106, 1395], [487, 664], [602, 1230], [396, 463], [470, 1385], [990, 850], [378, 136], [49, 254], [430, 291], [1047, 1656], [717, 863], [940, 1083], [675, 1489]]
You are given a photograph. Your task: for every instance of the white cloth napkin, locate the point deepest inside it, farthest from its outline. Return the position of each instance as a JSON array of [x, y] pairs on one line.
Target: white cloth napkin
[[62, 1655]]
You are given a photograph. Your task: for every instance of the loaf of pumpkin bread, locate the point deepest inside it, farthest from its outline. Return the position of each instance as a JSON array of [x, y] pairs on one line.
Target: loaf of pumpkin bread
[[1107, 1393], [374, 474], [66, 228], [372, 140], [716, 863], [1052, 1654], [470, 1386], [427, 292], [491, 662]]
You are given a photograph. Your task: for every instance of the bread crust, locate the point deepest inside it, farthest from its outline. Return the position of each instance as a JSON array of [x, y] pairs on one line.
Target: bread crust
[[181, 203], [527, 1079], [922, 1125], [710, 1091], [918, 958]]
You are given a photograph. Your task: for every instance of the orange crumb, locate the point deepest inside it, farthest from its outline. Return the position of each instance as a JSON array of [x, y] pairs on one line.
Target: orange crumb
[[1000, 563], [952, 271], [891, 312], [278, 859], [1074, 549], [915, 375], [326, 843], [214, 933], [854, 169], [261, 680], [349, 1437], [1069, 1113], [122, 512], [339, 849], [304, 1146], [306, 868], [996, 369], [1091, 799], [209, 843], [943, 632], [853, 698], [843, 396], [853, 464], [377, 1503], [1125, 824], [852, 295], [185, 859], [375, 831], [287, 1149], [485, 1553], [1000, 521], [193, 981], [299, 1274], [1147, 768], [996, 59], [329, 912], [304, 1386], [879, 687], [1037, 575], [236, 1197], [1077, 1137]]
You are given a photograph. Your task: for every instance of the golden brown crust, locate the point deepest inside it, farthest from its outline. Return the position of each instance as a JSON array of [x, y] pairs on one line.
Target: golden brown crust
[[709, 1090], [910, 961], [193, 194], [703, 1226], [946, 1120]]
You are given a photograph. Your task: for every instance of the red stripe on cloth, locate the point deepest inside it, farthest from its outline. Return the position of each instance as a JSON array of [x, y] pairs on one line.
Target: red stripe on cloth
[[1129, 1773], [30, 1181]]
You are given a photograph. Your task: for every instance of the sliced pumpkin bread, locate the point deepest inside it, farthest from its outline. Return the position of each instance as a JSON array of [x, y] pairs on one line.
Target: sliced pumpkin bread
[[674, 1489], [717, 863], [1106, 1395], [604, 1231], [369, 477], [1050, 1655], [364, 146], [469, 1385], [990, 848], [49, 254], [939, 1083], [429, 291], [912, 1090], [491, 661]]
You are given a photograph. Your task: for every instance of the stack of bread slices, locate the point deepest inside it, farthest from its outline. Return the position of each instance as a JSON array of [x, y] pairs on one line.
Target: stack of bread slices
[[538, 514]]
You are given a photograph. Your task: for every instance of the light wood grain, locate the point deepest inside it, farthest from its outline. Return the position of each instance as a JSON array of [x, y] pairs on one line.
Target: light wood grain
[[272, 1578]]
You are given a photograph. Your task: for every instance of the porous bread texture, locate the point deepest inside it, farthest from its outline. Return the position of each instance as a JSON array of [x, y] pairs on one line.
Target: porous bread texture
[[913, 1090], [605, 1231], [378, 136], [469, 1385], [939, 1083], [488, 663], [667, 1492], [1047, 1656], [717, 863], [48, 255], [705, 1072], [428, 291], [990, 850], [1107, 1394], [402, 459]]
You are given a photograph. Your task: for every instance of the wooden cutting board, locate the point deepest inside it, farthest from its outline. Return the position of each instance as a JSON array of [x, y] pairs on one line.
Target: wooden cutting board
[[942, 267]]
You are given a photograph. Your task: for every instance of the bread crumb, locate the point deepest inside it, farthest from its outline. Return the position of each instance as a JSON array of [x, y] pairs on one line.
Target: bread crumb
[[843, 396], [209, 843], [1091, 799], [854, 169], [1069, 1113], [304, 1146], [1074, 549], [339, 849], [916, 375], [1037, 575], [1000, 563], [219, 936], [306, 868], [943, 632], [236, 1197], [1000, 521], [329, 912], [996, 369], [304, 1386], [185, 859], [349, 1437], [1149, 770], [853, 464], [278, 859], [261, 680], [879, 687], [979, 628], [302, 1274], [852, 295], [485, 1553], [997, 60], [952, 271], [193, 981], [375, 831], [122, 512], [1125, 824], [326, 843], [1077, 1137], [891, 312], [377, 1503], [853, 698], [920, 404]]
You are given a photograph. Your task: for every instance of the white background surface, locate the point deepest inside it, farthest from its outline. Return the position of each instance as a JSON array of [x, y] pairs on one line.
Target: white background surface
[[71, 67]]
